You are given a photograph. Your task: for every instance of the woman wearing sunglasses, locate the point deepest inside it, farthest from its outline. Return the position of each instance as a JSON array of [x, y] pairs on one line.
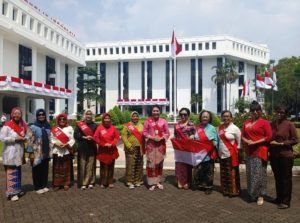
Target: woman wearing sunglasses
[[183, 130], [39, 151], [63, 142], [256, 134], [282, 158]]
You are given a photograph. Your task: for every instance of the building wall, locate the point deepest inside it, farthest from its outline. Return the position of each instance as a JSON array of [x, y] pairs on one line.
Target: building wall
[[183, 83], [111, 85], [135, 79], [158, 79], [10, 58]]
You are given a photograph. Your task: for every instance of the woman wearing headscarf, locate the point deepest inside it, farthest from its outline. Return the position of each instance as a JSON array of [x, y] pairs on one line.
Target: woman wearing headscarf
[[39, 151], [87, 149], [203, 174], [281, 156], [62, 141], [228, 145], [156, 133], [256, 134], [132, 136], [13, 135], [107, 138]]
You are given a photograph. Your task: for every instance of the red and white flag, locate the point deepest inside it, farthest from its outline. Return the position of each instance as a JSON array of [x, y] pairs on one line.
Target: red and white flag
[[260, 82], [175, 46], [246, 89], [268, 79], [275, 88]]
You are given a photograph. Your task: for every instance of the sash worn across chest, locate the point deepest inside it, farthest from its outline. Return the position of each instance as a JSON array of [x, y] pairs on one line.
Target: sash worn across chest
[[134, 131], [17, 128], [87, 131], [157, 129], [231, 147], [208, 143], [60, 135]]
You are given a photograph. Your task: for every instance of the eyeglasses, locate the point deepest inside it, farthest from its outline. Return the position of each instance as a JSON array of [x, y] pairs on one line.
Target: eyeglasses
[[62, 119], [183, 114], [41, 114]]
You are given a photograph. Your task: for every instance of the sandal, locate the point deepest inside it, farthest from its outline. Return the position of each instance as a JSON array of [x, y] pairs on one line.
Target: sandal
[[160, 186], [152, 188]]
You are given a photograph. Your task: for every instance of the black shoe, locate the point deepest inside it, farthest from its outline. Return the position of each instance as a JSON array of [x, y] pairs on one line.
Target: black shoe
[[283, 206], [275, 201]]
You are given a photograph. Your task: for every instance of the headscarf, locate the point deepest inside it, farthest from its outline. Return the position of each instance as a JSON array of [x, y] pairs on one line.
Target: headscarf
[[134, 112], [43, 125], [22, 122], [86, 111], [62, 115], [103, 117]]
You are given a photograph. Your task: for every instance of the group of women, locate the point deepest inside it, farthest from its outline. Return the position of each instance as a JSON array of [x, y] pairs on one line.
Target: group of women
[[196, 148]]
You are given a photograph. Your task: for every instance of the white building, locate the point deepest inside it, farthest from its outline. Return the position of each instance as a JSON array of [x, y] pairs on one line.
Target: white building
[[138, 73], [39, 57]]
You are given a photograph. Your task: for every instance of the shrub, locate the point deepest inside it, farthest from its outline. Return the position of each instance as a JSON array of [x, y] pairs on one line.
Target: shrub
[[127, 116], [119, 114], [114, 117]]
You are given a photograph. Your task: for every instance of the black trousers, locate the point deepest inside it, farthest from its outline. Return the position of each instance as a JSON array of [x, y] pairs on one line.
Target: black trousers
[[40, 175], [282, 169]]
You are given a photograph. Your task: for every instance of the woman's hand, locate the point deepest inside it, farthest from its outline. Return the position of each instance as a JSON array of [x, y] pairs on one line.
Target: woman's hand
[[275, 143]]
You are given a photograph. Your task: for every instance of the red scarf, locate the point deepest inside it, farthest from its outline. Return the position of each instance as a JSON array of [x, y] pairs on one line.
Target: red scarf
[[105, 154], [60, 135], [20, 129], [134, 131], [87, 131], [209, 146], [231, 147]]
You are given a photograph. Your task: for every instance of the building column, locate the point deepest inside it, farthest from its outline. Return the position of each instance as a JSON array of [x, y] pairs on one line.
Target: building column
[[73, 99], [146, 81], [196, 84], [171, 87], [1, 54], [58, 108], [46, 101], [23, 106]]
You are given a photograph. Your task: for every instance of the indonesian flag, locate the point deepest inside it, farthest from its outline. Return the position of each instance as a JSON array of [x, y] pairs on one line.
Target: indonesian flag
[[260, 82], [175, 46], [248, 88], [275, 88], [268, 79], [244, 92]]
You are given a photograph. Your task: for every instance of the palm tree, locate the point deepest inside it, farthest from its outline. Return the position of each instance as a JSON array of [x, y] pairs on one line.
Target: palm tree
[[225, 73]]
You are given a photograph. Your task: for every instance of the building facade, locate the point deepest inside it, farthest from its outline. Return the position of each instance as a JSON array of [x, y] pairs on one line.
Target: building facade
[[39, 57], [141, 73]]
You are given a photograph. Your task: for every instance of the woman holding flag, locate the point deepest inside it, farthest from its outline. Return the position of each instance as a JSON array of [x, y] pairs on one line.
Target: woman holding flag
[[183, 131], [132, 136], [228, 145], [87, 149], [206, 134], [156, 133], [256, 135], [13, 135], [107, 138], [62, 141]]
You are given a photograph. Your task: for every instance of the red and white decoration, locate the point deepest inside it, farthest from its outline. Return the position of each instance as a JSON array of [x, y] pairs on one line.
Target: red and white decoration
[[175, 46], [148, 101], [268, 79], [260, 82], [275, 88], [246, 89], [15, 83]]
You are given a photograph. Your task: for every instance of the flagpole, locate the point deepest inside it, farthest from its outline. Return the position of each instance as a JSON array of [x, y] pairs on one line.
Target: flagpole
[[175, 89]]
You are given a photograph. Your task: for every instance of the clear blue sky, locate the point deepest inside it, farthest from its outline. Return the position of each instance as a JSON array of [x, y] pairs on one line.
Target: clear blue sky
[[273, 22]]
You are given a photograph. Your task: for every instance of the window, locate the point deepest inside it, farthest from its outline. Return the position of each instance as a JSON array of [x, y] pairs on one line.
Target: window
[[129, 49], [88, 52], [45, 32], [25, 62], [105, 51], [117, 50], [123, 50], [167, 47], [4, 8], [14, 14], [207, 46], [135, 49], [168, 82], [193, 46], [186, 47], [143, 78], [241, 80], [39, 27], [125, 80], [199, 46], [24, 17], [241, 67], [148, 49], [149, 79], [233, 46], [94, 52], [52, 36], [160, 48], [141, 49], [111, 51], [31, 24], [154, 49], [214, 45]]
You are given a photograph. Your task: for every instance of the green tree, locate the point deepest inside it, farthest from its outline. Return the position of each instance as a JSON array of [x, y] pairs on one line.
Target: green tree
[[119, 114], [196, 99], [90, 86], [224, 74], [241, 104]]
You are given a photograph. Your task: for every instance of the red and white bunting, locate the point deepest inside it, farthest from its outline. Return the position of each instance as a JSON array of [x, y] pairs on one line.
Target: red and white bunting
[[38, 86], [3, 81], [27, 84], [15, 82], [260, 82]]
